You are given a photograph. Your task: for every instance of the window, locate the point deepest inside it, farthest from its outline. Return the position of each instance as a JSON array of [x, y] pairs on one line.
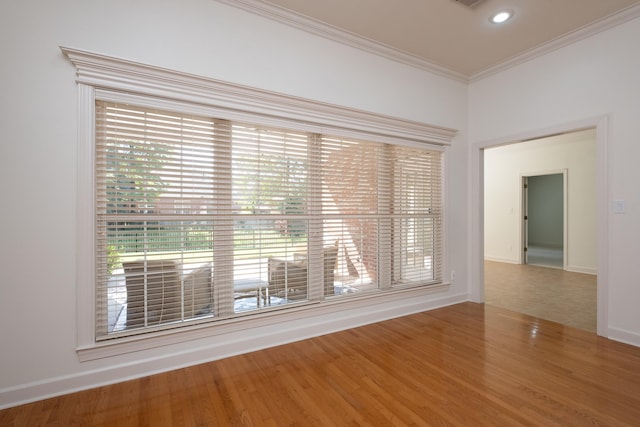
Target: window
[[204, 203], [200, 218]]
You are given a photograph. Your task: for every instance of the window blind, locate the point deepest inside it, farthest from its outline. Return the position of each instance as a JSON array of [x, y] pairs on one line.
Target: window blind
[[200, 219], [156, 187]]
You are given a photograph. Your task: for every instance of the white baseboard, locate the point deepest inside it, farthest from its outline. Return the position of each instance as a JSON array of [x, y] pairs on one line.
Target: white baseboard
[[624, 336], [585, 270], [498, 259], [232, 345], [571, 268]]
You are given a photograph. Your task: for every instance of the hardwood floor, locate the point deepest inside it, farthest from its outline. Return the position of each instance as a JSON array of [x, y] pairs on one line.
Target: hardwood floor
[[464, 365]]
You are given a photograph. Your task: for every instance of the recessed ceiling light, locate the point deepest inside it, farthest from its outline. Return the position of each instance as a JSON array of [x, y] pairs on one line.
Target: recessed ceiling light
[[502, 16]]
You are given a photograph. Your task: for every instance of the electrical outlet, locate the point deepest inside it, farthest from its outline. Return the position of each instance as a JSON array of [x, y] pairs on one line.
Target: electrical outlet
[[618, 206], [453, 275]]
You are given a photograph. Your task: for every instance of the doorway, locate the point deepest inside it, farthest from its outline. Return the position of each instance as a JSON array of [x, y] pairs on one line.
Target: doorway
[[544, 221], [552, 228]]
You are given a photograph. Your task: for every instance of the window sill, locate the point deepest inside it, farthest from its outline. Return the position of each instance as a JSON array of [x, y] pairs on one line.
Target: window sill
[[345, 306]]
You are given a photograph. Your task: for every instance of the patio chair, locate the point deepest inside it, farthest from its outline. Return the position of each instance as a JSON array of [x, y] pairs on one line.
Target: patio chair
[[197, 292], [158, 283], [289, 278]]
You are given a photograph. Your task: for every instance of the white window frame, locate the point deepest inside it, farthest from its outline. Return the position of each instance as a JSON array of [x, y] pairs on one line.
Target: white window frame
[[103, 77]]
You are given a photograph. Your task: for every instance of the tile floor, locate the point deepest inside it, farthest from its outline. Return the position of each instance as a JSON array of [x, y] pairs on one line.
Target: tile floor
[[545, 256], [549, 293]]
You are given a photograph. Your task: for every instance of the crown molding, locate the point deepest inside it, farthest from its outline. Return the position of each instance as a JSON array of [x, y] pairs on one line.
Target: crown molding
[[625, 15], [322, 29]]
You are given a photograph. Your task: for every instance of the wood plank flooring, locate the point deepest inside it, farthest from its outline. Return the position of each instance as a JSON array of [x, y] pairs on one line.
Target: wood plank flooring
[[464, 365]]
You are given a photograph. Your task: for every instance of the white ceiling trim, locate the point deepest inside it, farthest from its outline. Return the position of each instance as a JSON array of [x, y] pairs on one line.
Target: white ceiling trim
[[322, 29], [584, 32]]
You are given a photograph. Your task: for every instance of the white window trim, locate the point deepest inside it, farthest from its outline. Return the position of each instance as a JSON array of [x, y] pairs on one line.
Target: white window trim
[[101, 71], [101, 74]]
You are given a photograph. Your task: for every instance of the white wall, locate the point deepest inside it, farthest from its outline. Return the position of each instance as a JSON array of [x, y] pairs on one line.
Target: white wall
[[594, 77], [504, 168], [38, 161]]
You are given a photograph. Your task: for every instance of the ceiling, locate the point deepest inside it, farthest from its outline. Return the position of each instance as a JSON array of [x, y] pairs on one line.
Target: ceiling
[[448, 34]]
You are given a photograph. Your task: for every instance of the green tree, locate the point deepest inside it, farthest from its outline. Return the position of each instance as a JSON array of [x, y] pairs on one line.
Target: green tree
[[132, 187], [280, 184]]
